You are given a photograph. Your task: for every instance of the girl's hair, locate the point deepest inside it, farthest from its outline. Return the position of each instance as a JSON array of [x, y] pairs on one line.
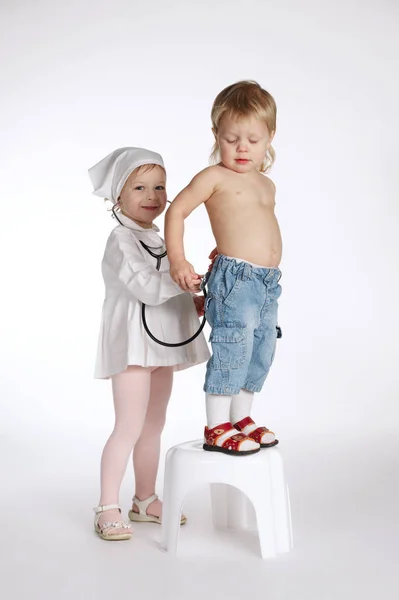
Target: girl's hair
[[245, 99], [145, 169]]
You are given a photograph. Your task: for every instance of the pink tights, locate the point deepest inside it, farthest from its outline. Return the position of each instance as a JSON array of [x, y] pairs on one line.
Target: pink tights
[[141, 396]]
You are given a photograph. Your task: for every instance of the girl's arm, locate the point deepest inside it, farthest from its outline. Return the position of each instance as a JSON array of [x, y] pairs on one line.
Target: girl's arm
[[143, 281], [199, 190]]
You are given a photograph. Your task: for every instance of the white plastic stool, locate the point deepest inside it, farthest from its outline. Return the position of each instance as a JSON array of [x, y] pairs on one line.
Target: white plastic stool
[[259, 476]]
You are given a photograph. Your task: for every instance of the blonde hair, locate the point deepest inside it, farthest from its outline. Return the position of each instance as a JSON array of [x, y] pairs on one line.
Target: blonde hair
[[245, 99], [145, 169]]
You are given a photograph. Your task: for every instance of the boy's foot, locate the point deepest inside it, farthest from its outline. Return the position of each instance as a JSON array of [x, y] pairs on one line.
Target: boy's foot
[[224, 438], [108, 524], [148, 511], [262, 435]]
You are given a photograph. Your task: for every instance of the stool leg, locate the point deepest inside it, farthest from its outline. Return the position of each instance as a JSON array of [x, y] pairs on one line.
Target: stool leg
[[173, 498], [281, 505], [289, 518], [263, 506], [171, 516]]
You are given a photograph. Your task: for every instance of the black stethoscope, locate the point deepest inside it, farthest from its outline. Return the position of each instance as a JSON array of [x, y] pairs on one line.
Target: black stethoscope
[[159, 258]]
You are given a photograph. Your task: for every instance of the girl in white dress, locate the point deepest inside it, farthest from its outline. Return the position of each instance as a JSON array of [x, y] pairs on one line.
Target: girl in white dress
[[141, 370]]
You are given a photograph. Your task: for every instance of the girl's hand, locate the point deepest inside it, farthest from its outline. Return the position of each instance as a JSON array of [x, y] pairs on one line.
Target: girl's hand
[[213, 256], [183, 274], [199, 302]]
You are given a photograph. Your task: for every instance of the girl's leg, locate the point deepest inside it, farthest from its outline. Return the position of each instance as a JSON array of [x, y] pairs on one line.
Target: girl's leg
[[131, 392], [147, 449]]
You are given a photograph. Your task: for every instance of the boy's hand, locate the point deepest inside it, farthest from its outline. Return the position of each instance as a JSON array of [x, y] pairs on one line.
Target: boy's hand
[[199, 302], [184, 275], [212, 257]]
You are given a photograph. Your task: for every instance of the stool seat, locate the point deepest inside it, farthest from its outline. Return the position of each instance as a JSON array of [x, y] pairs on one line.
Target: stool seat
[[242, 488]]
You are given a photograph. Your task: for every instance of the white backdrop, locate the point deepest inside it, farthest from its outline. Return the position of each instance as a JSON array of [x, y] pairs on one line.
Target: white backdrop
[[82, 78]]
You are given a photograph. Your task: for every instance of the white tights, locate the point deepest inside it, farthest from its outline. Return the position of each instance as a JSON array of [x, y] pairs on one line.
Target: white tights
[[141, 396]]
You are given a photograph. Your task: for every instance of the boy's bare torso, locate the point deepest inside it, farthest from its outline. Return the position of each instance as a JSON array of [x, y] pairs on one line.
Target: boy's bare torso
[[241, 212]]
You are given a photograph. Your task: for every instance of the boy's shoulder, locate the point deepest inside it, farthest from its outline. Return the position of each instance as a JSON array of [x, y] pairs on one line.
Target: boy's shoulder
[[208, 178], [213, 171]]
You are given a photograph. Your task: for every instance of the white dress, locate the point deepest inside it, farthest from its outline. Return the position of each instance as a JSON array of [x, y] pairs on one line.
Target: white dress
[[131, 278]]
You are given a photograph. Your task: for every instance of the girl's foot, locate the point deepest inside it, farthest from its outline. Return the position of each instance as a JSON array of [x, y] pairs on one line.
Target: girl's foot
[[262, 435], [153, 508], [224, 438], [148, 511], [108, 525]]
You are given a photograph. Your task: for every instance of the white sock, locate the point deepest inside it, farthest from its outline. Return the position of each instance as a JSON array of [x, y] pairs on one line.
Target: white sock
[[241, 406], [217, 409]]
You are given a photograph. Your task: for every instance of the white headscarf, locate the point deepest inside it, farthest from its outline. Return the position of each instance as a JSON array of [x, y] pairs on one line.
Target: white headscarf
[[110, 174]]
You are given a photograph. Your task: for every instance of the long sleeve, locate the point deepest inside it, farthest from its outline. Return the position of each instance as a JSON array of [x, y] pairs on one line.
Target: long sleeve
[[143, 281]]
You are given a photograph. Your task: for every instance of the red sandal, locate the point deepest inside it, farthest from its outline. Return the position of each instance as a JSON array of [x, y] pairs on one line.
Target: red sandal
[[218, 439], [249, 428]]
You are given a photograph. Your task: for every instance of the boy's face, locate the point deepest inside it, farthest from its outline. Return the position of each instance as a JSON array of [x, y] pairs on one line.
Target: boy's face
[[143, 197], [243, 143]]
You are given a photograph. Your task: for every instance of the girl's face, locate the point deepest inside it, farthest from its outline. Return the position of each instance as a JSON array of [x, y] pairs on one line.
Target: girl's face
[[143, 197], [243, 143]]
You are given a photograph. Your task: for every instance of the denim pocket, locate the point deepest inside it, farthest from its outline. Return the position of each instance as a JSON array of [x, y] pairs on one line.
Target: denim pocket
[[232, 285], [228, 346]]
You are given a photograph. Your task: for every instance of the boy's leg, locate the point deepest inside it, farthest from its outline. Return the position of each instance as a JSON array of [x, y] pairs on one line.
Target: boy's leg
[[263, 351], [219, 431], [217, 409], [147, 449], [241, 418], [231, 341], [226, 370], [131, 392], [241, 405], [264, 348]]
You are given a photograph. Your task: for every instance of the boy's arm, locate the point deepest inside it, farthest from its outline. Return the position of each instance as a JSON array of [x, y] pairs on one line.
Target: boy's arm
[[141, 280], [199, 190]]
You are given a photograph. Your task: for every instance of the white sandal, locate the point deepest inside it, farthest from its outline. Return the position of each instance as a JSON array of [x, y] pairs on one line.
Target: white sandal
[[110, 525], [142, 516]]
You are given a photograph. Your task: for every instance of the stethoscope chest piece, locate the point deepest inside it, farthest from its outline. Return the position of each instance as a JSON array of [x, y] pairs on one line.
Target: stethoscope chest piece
[[159, 258]]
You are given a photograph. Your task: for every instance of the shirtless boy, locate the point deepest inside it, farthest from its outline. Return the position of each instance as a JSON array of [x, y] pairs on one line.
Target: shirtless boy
[[243, 289]]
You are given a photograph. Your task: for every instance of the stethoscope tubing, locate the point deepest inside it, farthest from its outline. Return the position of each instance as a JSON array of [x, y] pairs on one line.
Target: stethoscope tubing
[[159, 258]]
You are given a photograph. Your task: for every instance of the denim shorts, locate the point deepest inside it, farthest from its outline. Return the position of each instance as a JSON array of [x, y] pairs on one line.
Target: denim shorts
[[241, 308]]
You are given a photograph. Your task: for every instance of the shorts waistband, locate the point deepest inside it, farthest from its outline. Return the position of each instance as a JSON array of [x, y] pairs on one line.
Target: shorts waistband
[[245, 270]]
